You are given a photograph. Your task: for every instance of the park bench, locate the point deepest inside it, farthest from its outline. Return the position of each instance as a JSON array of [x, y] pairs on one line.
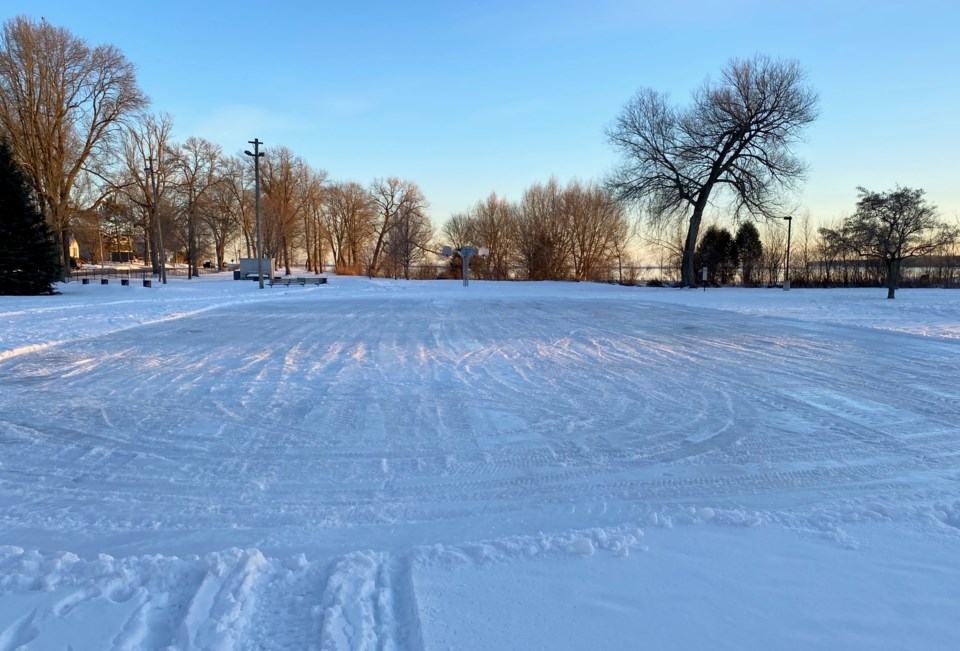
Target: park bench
[[286, 282]]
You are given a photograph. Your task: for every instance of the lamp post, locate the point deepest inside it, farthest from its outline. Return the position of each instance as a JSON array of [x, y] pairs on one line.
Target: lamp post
[[786, 270], [156, 220], [256, 153]]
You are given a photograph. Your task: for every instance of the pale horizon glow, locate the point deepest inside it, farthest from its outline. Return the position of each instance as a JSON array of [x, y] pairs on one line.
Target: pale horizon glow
[[469, 100]]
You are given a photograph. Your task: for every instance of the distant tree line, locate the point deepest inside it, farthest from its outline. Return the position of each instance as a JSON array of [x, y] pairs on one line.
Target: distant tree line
[[893, 238], [106, 171], [573, 232], [733, 143]]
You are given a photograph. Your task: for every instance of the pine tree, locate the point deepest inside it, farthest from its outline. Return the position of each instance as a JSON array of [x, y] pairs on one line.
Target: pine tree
[[750, 248], [29, 261], [717, 252]]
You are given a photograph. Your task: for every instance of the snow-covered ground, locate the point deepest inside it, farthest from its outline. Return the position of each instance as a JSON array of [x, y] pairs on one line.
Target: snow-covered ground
[[419, 465]]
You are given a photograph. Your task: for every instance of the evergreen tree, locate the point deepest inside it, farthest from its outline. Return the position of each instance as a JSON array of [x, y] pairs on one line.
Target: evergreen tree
[[750, 248], [29, 261], [718, 253]]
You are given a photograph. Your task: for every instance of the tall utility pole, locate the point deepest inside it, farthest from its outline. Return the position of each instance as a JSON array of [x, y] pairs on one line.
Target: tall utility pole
[[786, 269], [256, 153], [156, 220]]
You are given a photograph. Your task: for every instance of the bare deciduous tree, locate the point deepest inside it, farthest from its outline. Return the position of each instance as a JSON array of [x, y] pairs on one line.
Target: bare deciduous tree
[[285, 180], [235, 196], [391, 197], [229, 200], [313, 224], [198, 165], [554, 233], [891, 227], [62, 105], [597, 222], [146, 144], [736, 136], [349, 215], [666, 239], [804, 248], [543, 234], [773, 251], [409, 239], [457, 232], [493, 222]]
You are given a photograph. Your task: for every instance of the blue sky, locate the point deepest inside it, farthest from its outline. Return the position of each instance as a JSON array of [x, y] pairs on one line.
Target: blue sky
[[470, 98]]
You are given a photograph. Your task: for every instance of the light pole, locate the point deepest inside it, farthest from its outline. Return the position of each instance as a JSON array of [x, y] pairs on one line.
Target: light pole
[[256, 153], [786, 270], [156, 220]]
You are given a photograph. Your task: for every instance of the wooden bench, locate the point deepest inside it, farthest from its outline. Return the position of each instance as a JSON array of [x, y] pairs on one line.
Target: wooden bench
[[279, 281]]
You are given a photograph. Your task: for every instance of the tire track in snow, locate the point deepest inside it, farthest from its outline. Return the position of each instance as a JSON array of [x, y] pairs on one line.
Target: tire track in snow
[[369, 605], [289, 611], [231, 600]]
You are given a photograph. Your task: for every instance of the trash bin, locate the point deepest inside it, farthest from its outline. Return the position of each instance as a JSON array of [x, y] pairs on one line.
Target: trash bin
[[236, 275]]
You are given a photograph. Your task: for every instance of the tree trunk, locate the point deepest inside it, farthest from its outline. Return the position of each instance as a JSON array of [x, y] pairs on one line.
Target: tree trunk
[[308, 242], [62, 236], [147, 249], [190, 248], [893, 277], [286, 256], [154, 251], [373, 269], [688, 275], [221, 247]]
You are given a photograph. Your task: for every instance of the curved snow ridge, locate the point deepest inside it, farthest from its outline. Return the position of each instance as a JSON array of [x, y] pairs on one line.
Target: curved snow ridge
[[940, 514], [619, 540], [822, 520], [616, 540], [827, 521]]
